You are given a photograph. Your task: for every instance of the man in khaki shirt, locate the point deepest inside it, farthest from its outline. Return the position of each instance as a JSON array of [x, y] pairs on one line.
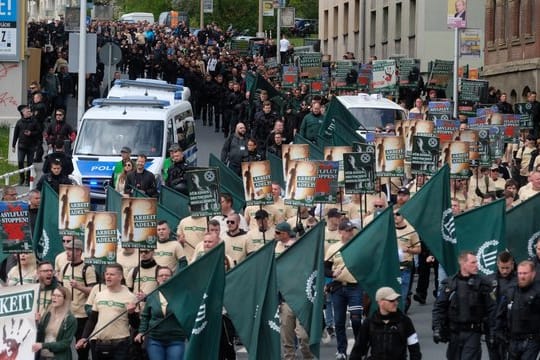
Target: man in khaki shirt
[[408, 245], [345, 290], [168, 253], [190, 232], [79, 278]]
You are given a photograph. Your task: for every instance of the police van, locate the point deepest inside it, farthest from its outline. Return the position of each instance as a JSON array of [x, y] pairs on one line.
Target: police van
[[145, 124], [372, 111]]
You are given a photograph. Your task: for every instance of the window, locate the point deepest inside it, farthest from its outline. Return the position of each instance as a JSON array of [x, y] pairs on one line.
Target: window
[[398, 22], [345, 18]]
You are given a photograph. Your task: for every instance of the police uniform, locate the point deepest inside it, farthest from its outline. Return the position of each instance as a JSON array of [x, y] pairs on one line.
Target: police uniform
[[518, 319], [463, 311]]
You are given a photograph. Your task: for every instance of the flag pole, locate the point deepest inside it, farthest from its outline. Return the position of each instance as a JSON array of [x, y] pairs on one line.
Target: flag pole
[[20, 268], [72, 268]]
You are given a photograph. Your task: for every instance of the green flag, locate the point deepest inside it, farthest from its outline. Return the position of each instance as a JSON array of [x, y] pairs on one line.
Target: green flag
[[251, 300], [523, 228], [46, 239], [339, 125], [230, 182], [429, 211], [196, 295], [175, 202], [372, 255], [300, 277], [481, 230]]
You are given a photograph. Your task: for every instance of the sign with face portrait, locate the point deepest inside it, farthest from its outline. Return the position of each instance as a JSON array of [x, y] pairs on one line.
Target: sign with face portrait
[[203, 190], [359, 172]]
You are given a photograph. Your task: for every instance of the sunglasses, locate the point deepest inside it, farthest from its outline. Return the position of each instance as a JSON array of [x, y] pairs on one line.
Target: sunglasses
[[397, 214], [378, 206], [277, 232], [231, 222], [66, 241]]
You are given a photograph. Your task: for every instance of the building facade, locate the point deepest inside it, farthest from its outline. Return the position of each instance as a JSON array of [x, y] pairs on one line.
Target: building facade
[[384, 28], [512, 47]]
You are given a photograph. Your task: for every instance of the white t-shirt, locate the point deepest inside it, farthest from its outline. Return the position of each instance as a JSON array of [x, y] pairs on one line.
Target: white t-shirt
[[284, 45]]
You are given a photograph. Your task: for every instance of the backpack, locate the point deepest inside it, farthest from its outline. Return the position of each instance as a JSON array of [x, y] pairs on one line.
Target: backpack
[[85, 267]]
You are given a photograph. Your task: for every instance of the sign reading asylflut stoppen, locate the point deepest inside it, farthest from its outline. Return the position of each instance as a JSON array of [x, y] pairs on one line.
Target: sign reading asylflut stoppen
[[14, 228]]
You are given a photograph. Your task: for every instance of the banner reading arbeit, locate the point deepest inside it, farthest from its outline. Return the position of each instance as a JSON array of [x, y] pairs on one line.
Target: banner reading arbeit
[[18, 321], [359, 172], [100, 238], [203, 189], [73, 204], [15, 232], [257, 179], [139, 223], [470, 136], [326, 183], [300, 183], [389, 156]]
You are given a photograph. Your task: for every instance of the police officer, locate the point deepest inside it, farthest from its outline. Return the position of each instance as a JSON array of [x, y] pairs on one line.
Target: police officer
[[518, 315], [502, 280], [388, 332], [464, 310]]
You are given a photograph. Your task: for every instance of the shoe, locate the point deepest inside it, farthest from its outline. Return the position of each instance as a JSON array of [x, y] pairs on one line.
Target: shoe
[[419, 299], [210, 123], [38, 161], [325, 339], [216, 130], [341, 356], [331, 331]]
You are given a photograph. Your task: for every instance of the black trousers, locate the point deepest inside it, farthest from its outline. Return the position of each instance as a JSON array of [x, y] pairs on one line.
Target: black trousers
[[464, 345]]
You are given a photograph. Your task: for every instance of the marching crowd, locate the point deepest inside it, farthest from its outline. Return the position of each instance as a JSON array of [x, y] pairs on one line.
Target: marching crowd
[[78, 301]]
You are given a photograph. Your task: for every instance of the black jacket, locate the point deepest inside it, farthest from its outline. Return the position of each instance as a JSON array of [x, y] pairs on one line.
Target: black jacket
[[145, 182], [54, 181], [65, 160], [388, 337], [26, 141]]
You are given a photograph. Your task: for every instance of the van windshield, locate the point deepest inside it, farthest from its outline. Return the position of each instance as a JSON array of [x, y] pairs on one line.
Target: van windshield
[[106, 137], [371, 118]]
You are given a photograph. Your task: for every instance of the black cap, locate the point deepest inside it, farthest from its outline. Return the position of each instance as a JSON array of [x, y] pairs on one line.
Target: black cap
[[21, 107], [125, 149], [404, 190], [531, 137], [334, 212], [261, 214]]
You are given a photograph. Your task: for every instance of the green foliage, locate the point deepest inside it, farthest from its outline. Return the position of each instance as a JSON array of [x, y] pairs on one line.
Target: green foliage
[[5, 147]]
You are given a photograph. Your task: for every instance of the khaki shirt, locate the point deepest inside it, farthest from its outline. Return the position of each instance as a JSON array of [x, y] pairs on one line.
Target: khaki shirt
[[168, 253], [79, 297], [192, 229], [109, 305], [334, 255]]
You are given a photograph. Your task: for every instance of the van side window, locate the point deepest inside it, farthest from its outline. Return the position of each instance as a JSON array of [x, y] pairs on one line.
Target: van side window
[[170, 133], [185, 128]]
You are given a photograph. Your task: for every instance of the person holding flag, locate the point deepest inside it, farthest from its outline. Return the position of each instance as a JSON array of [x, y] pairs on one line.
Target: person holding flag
[[166, 339], [113, 311], [345, 290]]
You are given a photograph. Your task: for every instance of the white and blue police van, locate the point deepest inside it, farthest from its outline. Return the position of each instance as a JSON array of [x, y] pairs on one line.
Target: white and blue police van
[[146, 124]]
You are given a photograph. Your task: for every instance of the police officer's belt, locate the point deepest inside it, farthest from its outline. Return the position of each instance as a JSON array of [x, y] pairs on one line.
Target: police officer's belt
[[468, 327], [521, 337]]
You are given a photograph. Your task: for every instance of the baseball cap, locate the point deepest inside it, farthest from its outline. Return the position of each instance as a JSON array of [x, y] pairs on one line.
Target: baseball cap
[[261, 214], [125, 149], [334, 212], [20, 108], [386, 293], [346, 225], [494, 167], [77, 244], [404, 190], [285, 227], [175, 147]]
